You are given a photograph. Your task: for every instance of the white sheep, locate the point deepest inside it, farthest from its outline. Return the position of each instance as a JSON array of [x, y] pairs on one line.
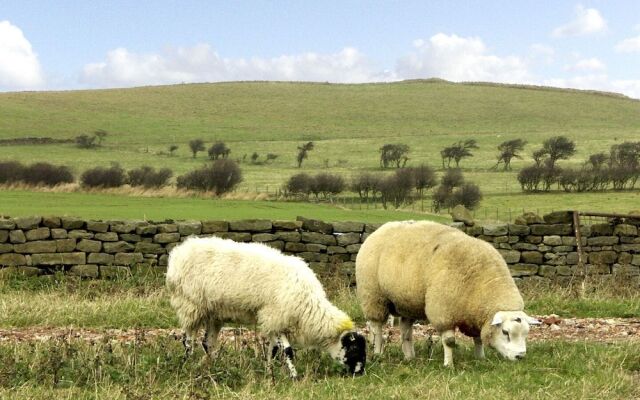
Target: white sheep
[[426, 270], [213, 281]]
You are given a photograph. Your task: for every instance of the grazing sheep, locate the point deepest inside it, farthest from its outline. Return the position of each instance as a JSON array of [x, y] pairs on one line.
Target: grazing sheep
[[426, 270], [212, 281]]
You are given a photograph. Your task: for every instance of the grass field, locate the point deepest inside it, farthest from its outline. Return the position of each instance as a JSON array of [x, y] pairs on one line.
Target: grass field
[[109, 206], [151, 367], [347, 123]]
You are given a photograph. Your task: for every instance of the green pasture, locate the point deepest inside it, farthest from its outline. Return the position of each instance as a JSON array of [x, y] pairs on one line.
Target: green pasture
[[151, 367], [347, 123], [105, 206]]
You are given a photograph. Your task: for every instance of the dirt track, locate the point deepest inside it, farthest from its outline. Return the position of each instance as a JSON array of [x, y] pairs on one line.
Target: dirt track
[[552, 328]]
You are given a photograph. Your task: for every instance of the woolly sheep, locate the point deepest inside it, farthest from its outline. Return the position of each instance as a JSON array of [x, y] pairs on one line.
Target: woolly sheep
[[213, 281], [426, 270]]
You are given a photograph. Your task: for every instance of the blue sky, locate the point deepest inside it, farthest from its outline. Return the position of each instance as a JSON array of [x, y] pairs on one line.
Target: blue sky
[[65, 44]]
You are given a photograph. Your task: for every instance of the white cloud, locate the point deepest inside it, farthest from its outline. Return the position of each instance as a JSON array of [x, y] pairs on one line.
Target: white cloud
[[459, 59], [587, 64], [19, 65], [598, 81], [542, 53], [587, 21], [628, 45], [201, 64]]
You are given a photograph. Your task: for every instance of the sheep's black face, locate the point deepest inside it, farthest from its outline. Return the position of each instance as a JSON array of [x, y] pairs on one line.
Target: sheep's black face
[[354, 348]]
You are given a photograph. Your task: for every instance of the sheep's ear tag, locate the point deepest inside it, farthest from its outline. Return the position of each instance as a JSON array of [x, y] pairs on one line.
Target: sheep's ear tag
[[497, 319]]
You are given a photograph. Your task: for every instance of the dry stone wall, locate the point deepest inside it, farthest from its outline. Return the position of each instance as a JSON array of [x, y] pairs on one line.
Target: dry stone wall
[[533, 247]]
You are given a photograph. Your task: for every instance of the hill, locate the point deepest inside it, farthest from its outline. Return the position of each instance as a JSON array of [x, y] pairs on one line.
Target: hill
[[242, 111], [347, 123]]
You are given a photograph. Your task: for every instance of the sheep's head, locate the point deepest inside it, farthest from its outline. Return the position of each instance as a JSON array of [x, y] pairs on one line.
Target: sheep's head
[[350, 351], [508, 333]]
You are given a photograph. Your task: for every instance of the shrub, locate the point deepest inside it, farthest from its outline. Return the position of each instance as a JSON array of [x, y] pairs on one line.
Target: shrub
[[424, 178], [218, 150], [468, 195], [299, 184], [396, 188], [440, 197], [453, 190], [35, 174], [195, 146], [86, 141], [366, 183], [221, 176], [47, 174], [103, 177], [148, 177], [327, 184], [530, 177], [452, 178], [11, 171]]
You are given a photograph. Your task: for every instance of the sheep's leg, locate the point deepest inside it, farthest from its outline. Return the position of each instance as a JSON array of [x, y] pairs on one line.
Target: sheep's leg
[[277, 344], [210, 339], [288, 356], [376, 329], [448, 342], [406, 333], [187, 342], [479, 348], [274, 348]]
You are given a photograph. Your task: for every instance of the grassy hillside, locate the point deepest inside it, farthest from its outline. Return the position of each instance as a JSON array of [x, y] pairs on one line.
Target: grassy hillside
[[306, 111], [347, 123]]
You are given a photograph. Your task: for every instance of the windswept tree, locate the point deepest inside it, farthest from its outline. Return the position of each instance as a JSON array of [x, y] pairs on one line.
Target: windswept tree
[[458, 151], [303, 152], [394, 154], [558, 148], [625, 154], [508, 150], [196, 145], [219, 150]]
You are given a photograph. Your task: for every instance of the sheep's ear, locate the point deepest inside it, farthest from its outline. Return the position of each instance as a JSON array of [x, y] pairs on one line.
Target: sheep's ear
[[532, 321], [497, 319]]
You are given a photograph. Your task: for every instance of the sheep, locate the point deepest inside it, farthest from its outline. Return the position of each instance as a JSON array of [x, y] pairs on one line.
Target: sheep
[[212, 281], [425, 270]]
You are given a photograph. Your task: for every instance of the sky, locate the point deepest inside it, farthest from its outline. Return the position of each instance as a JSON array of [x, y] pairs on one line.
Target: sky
[[69, 44]]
